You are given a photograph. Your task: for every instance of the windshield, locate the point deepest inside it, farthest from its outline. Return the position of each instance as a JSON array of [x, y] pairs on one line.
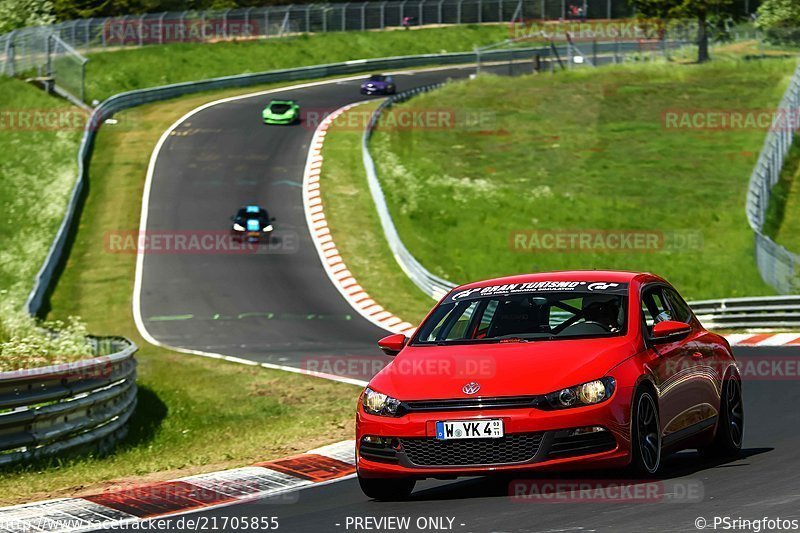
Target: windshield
[[377, 77], [280, 109], [527, 315], [261, 214]]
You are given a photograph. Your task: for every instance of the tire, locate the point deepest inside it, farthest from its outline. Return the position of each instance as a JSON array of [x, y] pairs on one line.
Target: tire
[[645, 434], [387, 489], [730, 426]]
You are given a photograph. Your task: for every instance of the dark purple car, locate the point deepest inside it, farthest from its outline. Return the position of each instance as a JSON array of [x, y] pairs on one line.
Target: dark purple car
[[378, 84]]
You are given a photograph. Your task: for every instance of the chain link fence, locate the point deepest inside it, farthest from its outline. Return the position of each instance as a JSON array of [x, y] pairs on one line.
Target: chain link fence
[[779, 267], [25, 50]]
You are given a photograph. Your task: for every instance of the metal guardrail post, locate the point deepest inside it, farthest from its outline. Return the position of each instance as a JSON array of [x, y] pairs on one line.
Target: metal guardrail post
[[141, 30]]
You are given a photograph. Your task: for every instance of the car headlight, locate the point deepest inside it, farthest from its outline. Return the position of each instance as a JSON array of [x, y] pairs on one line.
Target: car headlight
[[268, 228], [376, 403], [588, 393], [238, 227]]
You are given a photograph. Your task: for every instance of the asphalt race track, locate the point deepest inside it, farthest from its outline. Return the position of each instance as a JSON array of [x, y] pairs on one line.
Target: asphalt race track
[[277, 307], [281, 308], [764, 482]]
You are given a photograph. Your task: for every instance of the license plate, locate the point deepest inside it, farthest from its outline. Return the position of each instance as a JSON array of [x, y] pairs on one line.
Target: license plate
[[253, 234], [469, 429]]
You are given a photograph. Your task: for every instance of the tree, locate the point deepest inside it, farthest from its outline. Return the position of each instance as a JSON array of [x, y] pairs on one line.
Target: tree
[[701, 10], [16, 14], [780, 19]]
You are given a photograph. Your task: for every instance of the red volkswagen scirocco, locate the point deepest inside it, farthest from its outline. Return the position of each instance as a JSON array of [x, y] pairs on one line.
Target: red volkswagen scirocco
[[562, 370]]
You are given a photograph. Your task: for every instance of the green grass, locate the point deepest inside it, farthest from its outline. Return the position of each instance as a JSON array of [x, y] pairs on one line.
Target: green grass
[[355, 227], [37, 169], [783, 215], [584, 150], [194, 414], [123, 70]]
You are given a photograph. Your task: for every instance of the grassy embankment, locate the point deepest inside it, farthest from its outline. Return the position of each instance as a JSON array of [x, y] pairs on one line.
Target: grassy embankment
[[584, 150]]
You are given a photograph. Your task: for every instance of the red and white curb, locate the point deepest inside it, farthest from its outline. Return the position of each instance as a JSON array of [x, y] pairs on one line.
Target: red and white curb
[[331, 259], [763, 339], [278, 481]]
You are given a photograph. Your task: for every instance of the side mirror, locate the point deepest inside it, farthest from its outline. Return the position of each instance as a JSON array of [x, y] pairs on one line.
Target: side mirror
[[272, 219], [392, 344], [670, 331]]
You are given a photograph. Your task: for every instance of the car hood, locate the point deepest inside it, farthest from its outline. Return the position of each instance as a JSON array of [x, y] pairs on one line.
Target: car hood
[[376, 84], [513, 369]]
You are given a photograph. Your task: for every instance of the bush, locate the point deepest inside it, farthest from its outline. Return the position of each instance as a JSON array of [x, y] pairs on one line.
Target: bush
[[28, 343], [780, 19]]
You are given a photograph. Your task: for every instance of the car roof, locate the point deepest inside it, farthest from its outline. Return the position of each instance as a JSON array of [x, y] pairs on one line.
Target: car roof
[[619, 276], [281, 102]]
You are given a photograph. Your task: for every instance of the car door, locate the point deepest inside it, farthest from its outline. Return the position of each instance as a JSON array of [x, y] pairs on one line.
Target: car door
[[672, 365], [705, 381]]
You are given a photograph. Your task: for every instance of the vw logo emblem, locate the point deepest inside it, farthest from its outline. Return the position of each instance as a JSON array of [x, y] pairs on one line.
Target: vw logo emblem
[[470, 388]]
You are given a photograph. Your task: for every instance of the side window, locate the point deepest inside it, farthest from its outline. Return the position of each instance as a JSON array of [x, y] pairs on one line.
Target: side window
[[680, 309], [654, 308]]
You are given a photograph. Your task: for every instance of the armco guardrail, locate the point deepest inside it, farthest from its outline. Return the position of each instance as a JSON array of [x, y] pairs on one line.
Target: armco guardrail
[[434, 286], [50, 410], [773, 312], [130, 99], [779, 267]]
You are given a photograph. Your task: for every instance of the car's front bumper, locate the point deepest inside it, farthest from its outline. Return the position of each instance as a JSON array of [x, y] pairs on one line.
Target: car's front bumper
[[251, 236], [374, 90], [534, 439], [282, 120]]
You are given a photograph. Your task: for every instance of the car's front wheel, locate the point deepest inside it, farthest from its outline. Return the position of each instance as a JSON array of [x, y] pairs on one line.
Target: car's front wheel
[[387, 489], [730, 426], [645, 433]]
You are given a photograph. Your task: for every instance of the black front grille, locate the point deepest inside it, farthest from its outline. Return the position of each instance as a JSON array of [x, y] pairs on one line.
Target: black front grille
[[377, 452], [508, 402], [565, 444], [516, 448]]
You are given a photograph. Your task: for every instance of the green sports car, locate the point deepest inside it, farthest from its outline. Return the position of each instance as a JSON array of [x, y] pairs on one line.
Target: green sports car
[[281, 112]]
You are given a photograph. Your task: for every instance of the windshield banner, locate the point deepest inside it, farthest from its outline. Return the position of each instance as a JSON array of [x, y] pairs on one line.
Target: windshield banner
[[537, 287]]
